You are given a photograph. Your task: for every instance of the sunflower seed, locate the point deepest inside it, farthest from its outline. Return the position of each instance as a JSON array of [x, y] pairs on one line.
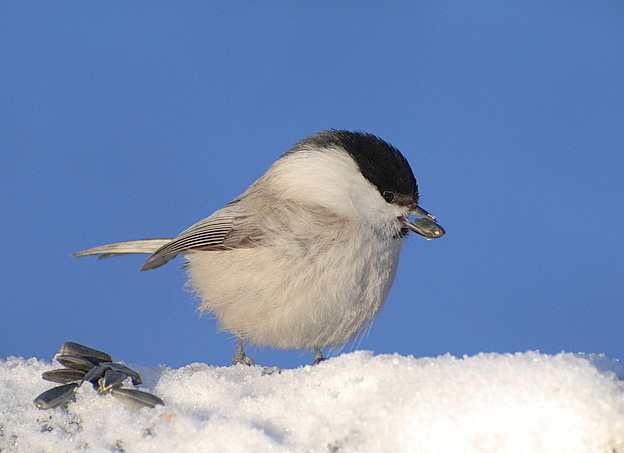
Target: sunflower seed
[[63, 375], [56, 396], [111, 379], [77, 363], [136, 377], [78, 350], [95, 374], [136, 398]]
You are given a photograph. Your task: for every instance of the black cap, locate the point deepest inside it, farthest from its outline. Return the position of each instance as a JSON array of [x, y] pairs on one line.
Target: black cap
[[380, 163]]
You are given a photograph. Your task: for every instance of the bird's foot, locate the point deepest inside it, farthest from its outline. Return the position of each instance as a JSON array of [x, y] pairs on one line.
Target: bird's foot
[[241, 357], [319, 356]]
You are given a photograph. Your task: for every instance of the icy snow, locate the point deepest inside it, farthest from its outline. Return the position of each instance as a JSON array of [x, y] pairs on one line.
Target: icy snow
[[525, 402]]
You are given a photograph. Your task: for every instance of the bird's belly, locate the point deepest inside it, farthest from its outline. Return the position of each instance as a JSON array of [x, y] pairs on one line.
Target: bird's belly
[[270, 297]]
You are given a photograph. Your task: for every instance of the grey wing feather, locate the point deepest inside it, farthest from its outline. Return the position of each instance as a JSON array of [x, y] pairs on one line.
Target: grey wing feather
[[148, 246], [216, 232]]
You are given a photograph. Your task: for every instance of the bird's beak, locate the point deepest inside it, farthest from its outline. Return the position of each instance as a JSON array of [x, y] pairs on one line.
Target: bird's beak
[[425, 225]]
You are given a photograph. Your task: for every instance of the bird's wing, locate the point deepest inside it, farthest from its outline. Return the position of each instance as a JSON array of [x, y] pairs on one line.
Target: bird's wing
[[123, 248], [223, 230]]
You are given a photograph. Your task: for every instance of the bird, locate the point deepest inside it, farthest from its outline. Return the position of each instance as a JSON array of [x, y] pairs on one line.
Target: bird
[[305, 257]]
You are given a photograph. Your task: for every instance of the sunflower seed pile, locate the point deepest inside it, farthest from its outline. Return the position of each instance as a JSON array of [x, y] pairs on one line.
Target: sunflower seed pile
[[84, 364]]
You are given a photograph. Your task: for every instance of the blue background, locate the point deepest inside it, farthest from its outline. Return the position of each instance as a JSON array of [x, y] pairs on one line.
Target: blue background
[[123, 121]]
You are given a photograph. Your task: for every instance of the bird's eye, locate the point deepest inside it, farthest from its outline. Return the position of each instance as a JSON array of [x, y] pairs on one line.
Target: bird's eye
[[388, 196]]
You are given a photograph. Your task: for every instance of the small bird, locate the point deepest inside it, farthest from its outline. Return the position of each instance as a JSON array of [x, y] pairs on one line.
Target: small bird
[[305, 257]]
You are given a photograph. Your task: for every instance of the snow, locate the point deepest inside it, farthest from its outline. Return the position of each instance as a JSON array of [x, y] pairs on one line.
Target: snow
[[524, 402]]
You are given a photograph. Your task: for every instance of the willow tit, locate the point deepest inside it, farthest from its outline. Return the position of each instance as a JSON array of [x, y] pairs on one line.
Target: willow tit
[[306, 256]]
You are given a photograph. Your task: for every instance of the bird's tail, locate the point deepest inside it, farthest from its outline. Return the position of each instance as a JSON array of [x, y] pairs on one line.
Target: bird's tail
[[147, 246]]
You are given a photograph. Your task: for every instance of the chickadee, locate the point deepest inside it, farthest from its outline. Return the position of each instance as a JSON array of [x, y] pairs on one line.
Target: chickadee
[[306, 256]]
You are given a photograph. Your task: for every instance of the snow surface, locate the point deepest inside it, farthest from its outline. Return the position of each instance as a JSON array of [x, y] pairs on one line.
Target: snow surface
[[525, 402]]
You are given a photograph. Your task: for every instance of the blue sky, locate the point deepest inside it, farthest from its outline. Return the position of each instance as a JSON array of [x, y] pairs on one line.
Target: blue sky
[[123, 121]]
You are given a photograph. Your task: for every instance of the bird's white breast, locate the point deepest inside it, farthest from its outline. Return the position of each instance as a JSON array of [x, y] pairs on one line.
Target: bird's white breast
[[298, 293]]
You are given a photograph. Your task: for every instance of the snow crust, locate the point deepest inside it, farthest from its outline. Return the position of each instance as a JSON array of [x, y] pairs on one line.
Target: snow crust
[[357, 402]]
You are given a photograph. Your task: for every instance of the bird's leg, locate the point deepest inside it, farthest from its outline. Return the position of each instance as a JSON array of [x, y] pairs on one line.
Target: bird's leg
[[319, 356], [240, 356]]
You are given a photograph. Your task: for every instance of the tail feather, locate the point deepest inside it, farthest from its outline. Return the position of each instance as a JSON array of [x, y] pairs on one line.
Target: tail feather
[[147, 246]]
